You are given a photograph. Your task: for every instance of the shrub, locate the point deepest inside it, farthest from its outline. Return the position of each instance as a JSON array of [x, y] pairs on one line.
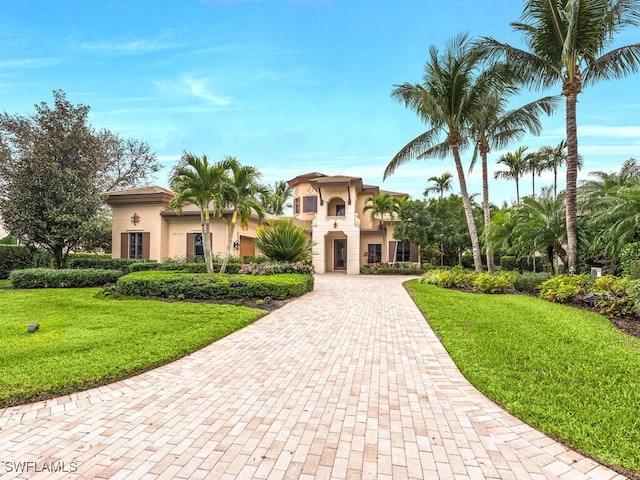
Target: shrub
[[630, 260], [564, 288], [383, 268], [62, 278], [508, 262], [255, 259], [197, 267], [183, 285], [632, 289], [489, 283], [103, 262], [530, 282], [452, 278], [466, 260], [15, 257], [275, 268], [609, 294], [284, 241]]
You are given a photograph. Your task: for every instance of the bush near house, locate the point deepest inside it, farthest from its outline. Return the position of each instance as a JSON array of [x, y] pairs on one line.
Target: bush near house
[[104, 262], [382, 268], [183, 285], [276, 268], [62, 278], [16, 257], [630, 260]]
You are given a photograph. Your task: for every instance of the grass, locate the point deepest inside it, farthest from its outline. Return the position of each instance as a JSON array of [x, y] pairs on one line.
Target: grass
[[85, 341], [564, 371]]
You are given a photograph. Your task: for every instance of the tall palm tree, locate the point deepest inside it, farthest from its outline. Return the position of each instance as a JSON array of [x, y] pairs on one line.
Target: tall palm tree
[[554, 158], [568, 42], [517, 165], [495, 127], [241, 195], [453, 84], [385, 206], [441, 184], [196, 181]]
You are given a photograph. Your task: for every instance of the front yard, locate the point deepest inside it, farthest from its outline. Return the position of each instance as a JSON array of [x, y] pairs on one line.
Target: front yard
[[565, 371], [84, 341]]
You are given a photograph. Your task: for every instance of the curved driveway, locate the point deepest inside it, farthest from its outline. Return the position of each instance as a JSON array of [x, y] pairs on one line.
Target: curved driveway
[[347, 382]]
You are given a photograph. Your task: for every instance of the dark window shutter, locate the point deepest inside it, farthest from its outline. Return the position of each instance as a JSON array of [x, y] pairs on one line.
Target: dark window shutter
[[413, 253], [124, 245], [190, 247], [391, 254], [146, 245]]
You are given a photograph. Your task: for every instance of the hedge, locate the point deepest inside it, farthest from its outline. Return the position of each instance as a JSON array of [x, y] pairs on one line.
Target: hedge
[[16, 257], [62, 278], [184, 285], [105, 262]]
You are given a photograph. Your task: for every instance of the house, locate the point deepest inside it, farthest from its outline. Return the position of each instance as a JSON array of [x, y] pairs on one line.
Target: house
[[332, 209], [145, 227]]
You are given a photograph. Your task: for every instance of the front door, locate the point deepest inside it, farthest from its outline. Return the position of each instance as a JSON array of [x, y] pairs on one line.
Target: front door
[[340, 254]]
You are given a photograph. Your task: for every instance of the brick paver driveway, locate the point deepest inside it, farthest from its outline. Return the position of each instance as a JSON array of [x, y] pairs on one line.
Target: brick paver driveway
[[347, 382]]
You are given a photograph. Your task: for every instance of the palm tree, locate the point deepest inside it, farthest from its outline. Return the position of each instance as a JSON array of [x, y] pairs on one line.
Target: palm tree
[[494, 127], [275, 199], [383, 205], [554, 158], [567, 43], [240, 194], [441, 184], [535, 165], [452, 87], [517, 165], [541, 227], [196, 181]]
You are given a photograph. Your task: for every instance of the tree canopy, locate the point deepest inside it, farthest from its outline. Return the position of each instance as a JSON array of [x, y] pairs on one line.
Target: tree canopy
[[53, 167]]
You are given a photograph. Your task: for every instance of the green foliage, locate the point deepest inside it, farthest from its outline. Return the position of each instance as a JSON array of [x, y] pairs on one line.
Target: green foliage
[[630, 260], [466, 260], [564, 288], [530, 282], [53, 166], [105, 262], [449, 278], [197, 267], [213, 286], [384, 268], [632, 290], [62, 278], [490, 283], [275, 268], [9, 240], [609, 294], [284, 241], [15, 257], [508, 262]]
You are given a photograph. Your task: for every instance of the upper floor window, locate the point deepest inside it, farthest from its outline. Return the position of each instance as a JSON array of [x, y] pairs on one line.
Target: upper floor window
[[296, 206], [340, 210], [309, 204]]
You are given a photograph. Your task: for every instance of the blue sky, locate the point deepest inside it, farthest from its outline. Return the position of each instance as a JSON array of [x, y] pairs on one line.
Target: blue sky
[[289, 86]]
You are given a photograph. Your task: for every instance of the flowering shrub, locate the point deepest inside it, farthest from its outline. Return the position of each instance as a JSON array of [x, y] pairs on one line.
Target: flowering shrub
[[276, 268]]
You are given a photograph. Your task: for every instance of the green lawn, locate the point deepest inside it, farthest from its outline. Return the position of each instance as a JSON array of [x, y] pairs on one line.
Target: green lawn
[[562, 370], [84, 341]]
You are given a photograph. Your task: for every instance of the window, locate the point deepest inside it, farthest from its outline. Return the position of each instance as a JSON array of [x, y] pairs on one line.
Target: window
[[374, 253], [309, 204], [135, 245], [403, 252], [340, 212], [296, 206], [198, 246]]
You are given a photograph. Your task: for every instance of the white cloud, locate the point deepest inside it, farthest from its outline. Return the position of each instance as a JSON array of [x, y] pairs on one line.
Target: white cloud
[[28, 63], [610, 132], [198, 87]]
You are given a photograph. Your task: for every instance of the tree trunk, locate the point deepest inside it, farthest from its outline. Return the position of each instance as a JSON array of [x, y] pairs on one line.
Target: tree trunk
[[473, 233], [550, 259], [227, 251], [572, 177], [385, 246], [206, 239], [487, 210], [517, 192]]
